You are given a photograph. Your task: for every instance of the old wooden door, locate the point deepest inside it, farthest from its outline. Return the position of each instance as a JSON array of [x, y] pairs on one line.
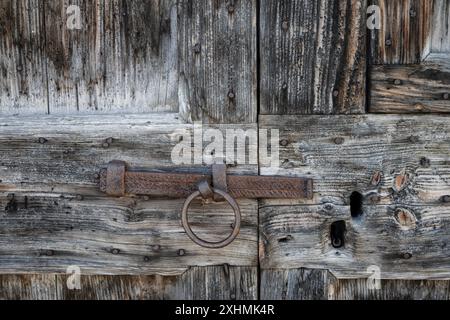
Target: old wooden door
[[126, 78]]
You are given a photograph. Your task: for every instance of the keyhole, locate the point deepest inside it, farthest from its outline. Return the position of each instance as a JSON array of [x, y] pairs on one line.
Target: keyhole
[[356, 200], [337, 234]]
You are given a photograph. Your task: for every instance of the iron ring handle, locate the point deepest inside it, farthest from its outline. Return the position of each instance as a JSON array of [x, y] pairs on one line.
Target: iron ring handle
[[206, 244]]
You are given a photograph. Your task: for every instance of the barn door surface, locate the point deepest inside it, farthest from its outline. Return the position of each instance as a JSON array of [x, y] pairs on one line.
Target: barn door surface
[[341, 89], [358, 109], [128, 81]]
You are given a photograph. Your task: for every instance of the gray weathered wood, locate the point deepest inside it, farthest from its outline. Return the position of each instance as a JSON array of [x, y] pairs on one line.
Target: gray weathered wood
[[343, 154], [405, 242], [441, 26], [405, 33], [313, 57], [199, 283], [124, 58], [217, 58], [28, 287], [23, 81], [295, 284], [400, 166], [55, 215], [417, 88], [306, 284]]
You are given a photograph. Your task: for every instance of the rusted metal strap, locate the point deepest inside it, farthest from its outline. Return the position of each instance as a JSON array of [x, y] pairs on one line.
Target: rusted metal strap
[[120, 182]]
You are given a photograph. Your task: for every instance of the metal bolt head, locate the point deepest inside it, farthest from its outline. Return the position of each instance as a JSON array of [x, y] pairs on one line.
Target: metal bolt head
[[19, 68], [109, 140], [181, 252], [49, 253], [231, 95], [79, 197], [284, 86], [339, 140], [335, 93], [156, 247], [445, 199], [425, 162], [412, 13], [397, 82], [146, 259], [42, 140], [388, 42], [197, 48], [407, 255], [284, 142], [413, 139], [105, 145], [115, 251], [446, 96], [285, 25]]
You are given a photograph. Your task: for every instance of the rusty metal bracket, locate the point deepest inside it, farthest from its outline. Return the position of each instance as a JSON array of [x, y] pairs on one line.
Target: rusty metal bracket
[[117, 180]]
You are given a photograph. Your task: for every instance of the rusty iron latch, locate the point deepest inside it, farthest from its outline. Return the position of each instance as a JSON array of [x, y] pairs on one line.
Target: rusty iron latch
[[117, 180]]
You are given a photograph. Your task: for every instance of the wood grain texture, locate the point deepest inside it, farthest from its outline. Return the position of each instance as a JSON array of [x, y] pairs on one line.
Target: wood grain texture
[[441, 26], [217, 59], [307, 284], [399, 164], [402, 158], [28, 287], [417, 88], [313, 57], [23, 81], [298, 236], [295, 284], [55, 216], [123, 58], [198, 283], [405, 33]]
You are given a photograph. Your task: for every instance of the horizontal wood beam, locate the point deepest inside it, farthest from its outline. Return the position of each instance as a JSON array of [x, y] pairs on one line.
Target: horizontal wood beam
[[55, 215], [416, 88]]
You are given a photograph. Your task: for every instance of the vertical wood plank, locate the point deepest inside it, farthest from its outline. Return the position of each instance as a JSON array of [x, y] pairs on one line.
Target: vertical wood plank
[[28, 287], [122, 59], [218, 61], [441, 26], [199, 283], [405, 33], [23, 85], [313, 57]]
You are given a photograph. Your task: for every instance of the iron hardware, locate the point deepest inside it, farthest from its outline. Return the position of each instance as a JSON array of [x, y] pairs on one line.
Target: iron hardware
[[117, 180]]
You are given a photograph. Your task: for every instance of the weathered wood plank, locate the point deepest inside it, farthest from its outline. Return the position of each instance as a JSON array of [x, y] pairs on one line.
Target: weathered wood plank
[[23, 81], [403, 181], [405, 33], [313, 57], [28, 287], [307, 284], [390, 290], [123, 58], [405, 242], [441, 26], [198, 283], [217, 58], [401, 158], [295, 284], [55, 215], [418, 88]]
